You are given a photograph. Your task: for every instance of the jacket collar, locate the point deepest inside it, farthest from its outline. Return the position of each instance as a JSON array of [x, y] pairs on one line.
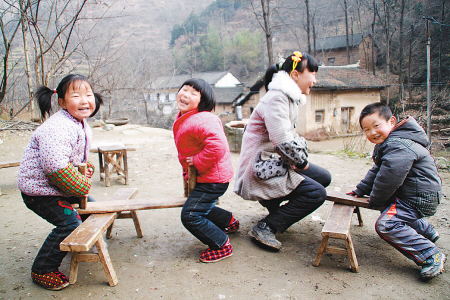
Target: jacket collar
[[283, 82]]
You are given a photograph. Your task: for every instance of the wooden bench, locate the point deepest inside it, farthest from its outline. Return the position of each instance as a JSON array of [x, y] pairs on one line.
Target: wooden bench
[[90, 233], [101, 219], [338, 224], [113, 159]]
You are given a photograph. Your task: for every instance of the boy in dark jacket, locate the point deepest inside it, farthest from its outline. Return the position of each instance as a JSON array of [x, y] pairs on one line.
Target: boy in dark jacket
[[404, 181]]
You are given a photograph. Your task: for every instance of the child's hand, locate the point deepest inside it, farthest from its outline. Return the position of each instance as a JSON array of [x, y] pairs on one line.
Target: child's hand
[[89, 172], [352, 193], [190, 160]]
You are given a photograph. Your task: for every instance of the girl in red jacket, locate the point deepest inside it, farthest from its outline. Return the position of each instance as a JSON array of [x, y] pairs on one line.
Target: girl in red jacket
[[201, 142]]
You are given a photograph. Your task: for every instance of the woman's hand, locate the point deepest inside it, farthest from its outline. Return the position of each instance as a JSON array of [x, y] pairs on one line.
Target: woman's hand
[[297, 169], [190, 160]]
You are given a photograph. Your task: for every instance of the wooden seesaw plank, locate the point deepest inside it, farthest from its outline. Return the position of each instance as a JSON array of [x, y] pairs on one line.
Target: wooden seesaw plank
[[340, 197], [129, 205]]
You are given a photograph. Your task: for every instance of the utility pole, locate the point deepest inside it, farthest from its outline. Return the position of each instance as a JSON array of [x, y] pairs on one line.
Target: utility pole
[[428, 80]]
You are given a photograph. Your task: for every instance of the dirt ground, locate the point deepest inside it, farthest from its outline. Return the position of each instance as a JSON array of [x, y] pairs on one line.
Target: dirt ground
[[164, 263]]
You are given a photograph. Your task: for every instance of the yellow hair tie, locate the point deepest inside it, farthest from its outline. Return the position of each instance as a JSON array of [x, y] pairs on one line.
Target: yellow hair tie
[[296, 58]]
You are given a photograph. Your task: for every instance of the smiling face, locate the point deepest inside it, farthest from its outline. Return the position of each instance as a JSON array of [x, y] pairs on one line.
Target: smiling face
[[305, 80], [188, 99], [377, 128], [79, 100]]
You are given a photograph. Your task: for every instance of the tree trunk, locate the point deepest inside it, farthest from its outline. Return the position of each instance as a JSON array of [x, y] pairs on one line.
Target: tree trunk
[[308, 28], [266, 14], [346, 31], [400, 50], [24, 24], [373, 36]]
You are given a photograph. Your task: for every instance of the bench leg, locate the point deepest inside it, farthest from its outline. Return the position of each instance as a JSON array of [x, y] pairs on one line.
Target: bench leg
[[358, 214], [106, 261], [137, 224], [352, 254], [319, 254], [73, 268], [109, 231]]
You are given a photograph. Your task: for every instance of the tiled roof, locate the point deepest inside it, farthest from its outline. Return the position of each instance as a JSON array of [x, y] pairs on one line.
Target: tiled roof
[[339, 41], [175, 82], [346, 78], [228, 95]]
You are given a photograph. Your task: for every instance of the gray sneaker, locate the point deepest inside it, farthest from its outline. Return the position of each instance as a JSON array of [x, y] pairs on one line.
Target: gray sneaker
[[433, 266], [265, 235]]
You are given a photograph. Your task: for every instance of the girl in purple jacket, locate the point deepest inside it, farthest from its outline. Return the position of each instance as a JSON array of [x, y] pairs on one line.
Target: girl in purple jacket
[[201, 142], [48, 176]]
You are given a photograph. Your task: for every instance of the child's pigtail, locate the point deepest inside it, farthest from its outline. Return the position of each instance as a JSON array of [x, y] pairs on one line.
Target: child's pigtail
[[98, 102], [43, 95]]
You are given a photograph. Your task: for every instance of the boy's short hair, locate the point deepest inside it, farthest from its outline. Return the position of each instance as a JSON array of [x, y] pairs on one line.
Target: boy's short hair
[[382, 109]]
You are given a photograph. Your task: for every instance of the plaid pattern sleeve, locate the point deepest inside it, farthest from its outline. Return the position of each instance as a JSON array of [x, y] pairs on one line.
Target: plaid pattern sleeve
[[70, 181], [89, 165]]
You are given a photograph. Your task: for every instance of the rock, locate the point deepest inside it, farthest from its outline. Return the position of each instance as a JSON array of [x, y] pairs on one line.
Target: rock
[[98, 123], [108, 127], [442, 163]]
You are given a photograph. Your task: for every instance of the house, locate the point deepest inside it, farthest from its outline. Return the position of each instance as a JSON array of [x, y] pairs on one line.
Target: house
[[332, 51], [334, 103], [226, 86]]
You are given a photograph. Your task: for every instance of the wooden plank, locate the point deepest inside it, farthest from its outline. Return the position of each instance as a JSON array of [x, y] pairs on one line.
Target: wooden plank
[[95, 150], [84, 237], [342, 198], [8, 164], [134, 204], [338, 222], [123, 194]]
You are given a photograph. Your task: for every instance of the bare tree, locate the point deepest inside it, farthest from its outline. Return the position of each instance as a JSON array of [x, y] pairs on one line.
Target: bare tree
[[308, 28], [262, 13], [9, 27]]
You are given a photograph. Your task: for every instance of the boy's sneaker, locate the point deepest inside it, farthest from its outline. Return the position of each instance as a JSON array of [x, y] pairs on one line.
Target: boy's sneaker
[[233, 226], [209, 255], [433, 266], [53, 281], [265, 235]]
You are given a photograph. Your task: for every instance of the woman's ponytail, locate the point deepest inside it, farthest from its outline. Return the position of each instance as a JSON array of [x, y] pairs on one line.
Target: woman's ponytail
[[43, 95], [269, 74]]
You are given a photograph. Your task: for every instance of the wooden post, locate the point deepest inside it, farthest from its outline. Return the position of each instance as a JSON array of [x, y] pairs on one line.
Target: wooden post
[[192, 181], [82, 168]]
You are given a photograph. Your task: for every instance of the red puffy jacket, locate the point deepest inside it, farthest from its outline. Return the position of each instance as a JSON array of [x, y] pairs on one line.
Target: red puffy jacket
[[201, 135]]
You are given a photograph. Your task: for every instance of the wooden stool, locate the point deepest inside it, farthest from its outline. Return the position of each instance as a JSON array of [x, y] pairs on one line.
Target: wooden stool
[[113, 159], [338, 227]]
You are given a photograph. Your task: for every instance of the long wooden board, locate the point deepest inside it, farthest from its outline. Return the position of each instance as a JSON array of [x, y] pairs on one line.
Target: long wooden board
[[8, 164], [134, 204], [341, 197]]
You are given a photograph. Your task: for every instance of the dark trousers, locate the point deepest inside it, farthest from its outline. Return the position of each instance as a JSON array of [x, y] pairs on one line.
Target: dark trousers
[[202, 218], [58, 211], [306, 198], [404, 228]]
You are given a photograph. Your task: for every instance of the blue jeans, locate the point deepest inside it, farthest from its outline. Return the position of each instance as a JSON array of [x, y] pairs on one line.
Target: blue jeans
[[57, 211], [403, 227], [303, 200], [202, 218]]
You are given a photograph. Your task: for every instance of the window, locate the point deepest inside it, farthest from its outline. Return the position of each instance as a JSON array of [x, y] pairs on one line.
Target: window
[[319, 116], [331, 61]]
